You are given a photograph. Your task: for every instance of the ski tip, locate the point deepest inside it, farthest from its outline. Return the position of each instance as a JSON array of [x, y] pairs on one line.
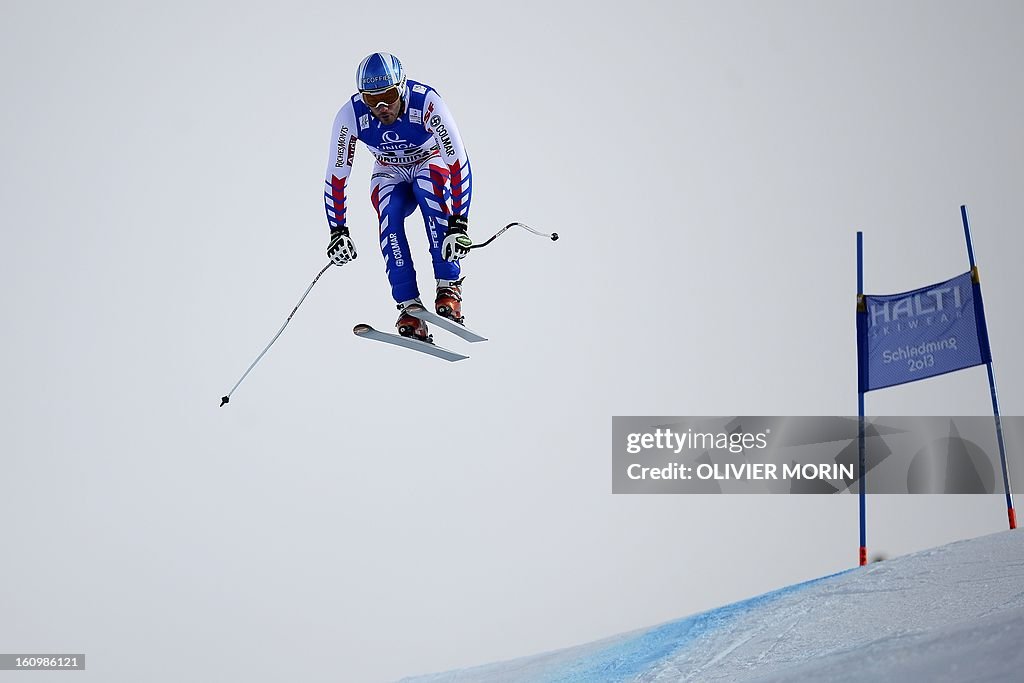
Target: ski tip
[[554, 237], [223, 400], [362, 328]]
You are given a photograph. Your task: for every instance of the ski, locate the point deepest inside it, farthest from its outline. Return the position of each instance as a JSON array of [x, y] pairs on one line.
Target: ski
[[445, 324], [366, 332]]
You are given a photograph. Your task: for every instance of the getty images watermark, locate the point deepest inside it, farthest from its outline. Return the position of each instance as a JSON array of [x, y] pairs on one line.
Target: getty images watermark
[[813, 454]]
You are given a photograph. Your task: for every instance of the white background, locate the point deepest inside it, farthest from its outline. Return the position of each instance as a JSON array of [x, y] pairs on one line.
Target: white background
[[363, 513]]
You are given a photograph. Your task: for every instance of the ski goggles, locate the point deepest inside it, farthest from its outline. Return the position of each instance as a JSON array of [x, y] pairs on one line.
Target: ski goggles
[[388, 96]]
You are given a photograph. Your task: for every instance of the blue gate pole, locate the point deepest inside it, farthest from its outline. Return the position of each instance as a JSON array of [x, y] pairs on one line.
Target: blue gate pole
[[975, 278], [861, 306]]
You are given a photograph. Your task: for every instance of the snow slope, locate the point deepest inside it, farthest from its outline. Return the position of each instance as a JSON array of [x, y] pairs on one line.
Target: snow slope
[[953, 613]]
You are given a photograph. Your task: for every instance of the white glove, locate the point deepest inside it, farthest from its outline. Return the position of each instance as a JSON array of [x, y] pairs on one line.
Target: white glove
[[341, 250], [456, 243]]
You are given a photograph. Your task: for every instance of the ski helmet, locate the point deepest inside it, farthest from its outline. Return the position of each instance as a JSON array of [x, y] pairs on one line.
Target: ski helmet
[[380, 71]]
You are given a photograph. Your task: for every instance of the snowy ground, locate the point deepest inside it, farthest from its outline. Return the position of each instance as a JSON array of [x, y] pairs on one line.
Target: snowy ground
[[953, 613]]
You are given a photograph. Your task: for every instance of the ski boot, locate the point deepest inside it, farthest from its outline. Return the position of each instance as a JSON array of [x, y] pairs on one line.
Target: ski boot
[[448, 303], [411, 326]]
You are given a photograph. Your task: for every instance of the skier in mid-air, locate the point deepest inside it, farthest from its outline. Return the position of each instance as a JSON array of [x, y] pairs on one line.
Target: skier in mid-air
[[420, 161]]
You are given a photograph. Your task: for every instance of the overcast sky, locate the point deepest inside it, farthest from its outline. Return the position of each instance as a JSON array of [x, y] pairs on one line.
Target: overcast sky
[[363, 513]]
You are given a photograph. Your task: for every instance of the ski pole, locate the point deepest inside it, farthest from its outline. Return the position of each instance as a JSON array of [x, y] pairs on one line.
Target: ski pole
[[553, 236], [225, 399]]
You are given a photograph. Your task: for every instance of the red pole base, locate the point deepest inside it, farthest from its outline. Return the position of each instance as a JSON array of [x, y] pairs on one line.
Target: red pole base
[[1013, 518], [863, 556]]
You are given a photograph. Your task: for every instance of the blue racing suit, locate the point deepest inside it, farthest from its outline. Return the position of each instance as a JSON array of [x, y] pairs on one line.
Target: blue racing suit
[[420, 161]]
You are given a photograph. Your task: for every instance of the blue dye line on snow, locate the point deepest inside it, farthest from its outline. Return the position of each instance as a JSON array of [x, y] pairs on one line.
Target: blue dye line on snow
[[625, 660]]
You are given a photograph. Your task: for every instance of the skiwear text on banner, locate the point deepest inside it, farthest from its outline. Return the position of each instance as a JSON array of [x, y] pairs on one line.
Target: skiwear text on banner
[[919, 334]]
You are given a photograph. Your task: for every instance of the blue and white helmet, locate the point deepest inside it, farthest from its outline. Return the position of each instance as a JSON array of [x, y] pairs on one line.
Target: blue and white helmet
[[380, 71]]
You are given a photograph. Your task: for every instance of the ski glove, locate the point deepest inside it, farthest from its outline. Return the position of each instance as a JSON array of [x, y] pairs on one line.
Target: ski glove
[[341, 250], [456, 243]]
